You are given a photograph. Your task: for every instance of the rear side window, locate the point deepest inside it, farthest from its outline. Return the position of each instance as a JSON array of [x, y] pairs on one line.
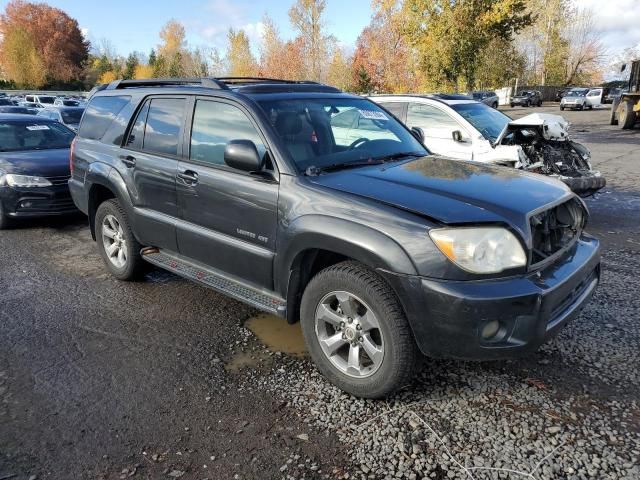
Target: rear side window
[[397, 108], [164, 120], [99, 115]]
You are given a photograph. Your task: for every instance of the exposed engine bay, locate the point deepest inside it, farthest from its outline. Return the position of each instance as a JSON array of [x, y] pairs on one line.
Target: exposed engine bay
[[547, 149]]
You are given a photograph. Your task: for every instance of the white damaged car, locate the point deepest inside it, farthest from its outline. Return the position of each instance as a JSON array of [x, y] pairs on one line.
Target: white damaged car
[[461, 128]]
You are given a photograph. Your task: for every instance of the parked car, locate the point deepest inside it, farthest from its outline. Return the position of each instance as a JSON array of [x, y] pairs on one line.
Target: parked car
[[575, 99], [66, 102], [381, 250], [44, 100], [469, 130], [561, 93], [527, 98], [31, 105], [34, 168], [68, 116], [487, 97], [611, 95], [6, 102], [19, 110]]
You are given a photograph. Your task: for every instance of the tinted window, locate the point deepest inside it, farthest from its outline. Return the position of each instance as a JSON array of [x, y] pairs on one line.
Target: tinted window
[[46, 99], [99, 115], [37, 135], [215, 124], [164, 120], [137, 131], [72, 115], [488, 121], [5, 101]]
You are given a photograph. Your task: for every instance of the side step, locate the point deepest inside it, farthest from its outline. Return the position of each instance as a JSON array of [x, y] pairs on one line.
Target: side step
[[223, 283]]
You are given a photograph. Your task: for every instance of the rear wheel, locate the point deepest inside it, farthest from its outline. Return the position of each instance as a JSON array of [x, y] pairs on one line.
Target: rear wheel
[[117, 245], [627, 115], [561, 108], [356, 331], [495, 105]]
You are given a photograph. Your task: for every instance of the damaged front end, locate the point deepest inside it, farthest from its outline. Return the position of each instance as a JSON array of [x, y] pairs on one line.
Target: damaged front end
[[546, 149]]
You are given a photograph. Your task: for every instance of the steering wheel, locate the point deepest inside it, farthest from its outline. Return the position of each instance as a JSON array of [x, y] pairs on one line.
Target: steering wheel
[[359, 142]]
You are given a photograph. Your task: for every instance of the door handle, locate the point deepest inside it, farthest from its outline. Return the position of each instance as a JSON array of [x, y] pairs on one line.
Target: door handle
[[128, 160], [189, 177]]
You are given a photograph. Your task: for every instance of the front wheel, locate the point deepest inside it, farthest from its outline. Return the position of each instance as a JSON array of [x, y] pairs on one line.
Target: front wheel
[[356, 331], [562, 108], [5, 222], [627, 116], [117, 245]]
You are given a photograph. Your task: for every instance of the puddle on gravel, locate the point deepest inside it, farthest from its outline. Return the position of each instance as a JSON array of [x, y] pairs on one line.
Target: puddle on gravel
[[278, 335], [275, 334]]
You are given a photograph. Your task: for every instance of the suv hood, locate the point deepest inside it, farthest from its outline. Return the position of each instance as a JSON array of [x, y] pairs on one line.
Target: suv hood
[[43, 163], [452, 191]]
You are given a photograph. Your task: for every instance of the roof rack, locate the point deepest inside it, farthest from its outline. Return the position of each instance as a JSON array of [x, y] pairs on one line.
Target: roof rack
[[252, 80], [205, 82]]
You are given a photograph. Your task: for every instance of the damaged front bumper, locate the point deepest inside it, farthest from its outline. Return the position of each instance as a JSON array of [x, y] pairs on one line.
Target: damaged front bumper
[[584, 186]]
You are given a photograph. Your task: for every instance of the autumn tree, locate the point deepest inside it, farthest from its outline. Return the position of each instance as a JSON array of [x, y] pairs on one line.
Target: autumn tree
[[306, 18], [239, 57], [130, 66], [339, 72], [20, 60], [383, 51], [586, 53], [171, 51], [449, 35], [53, 35], [272, 52]]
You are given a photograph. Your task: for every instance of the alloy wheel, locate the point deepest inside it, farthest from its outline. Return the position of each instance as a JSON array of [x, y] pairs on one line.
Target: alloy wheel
[[349, 334], [114, 242]]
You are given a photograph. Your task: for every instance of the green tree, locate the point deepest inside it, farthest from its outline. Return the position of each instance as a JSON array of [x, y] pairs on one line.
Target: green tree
[[130, 66], [450, 35]]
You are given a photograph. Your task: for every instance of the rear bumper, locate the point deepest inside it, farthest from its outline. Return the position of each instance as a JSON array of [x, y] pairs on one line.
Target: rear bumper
[[36, 201], [448, 318]]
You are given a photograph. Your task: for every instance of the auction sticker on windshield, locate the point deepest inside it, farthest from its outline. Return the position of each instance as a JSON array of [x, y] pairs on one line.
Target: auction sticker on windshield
[[37, 127], [373, 115]]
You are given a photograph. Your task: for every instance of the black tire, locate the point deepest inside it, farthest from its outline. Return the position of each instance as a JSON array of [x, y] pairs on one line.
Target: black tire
[[495, 105], [627, 116], [562, 108], [612, 116], [540, 103], [528, 104], [134, 265], [512, 105], [400, 352], [5, 222]]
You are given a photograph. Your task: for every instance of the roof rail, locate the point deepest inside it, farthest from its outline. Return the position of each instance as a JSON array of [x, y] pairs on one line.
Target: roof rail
[[205, 82], [251, 80]]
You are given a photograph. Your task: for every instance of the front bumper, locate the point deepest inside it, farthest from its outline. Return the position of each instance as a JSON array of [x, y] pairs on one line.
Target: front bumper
[[520, 101], [572, 105], [584, 185], [448, 317], [20, 202]]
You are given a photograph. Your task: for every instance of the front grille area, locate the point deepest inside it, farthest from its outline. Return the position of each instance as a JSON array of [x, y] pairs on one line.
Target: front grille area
[[62, 180], [556, 229]]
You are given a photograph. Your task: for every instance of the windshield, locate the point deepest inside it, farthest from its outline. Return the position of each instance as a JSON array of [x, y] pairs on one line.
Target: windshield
[[72, 116], [46, 99], [488, 121], [577, 93], [18, 136], [324, 132]]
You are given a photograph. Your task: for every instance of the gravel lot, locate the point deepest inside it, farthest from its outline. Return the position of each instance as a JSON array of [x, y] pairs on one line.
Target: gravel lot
[[160, 379]]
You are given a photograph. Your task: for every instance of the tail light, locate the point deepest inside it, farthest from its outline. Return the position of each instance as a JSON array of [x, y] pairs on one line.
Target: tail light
[[73, 146]]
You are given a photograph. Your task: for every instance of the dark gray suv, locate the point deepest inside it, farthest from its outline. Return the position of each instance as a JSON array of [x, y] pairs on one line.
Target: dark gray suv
[[323, 208]]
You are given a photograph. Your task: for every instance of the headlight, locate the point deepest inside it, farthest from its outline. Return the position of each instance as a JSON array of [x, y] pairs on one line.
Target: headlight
[[25, 181], [481, 249]]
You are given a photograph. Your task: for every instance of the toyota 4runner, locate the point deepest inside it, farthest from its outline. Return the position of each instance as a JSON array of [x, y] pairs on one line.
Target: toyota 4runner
[[323, 208]]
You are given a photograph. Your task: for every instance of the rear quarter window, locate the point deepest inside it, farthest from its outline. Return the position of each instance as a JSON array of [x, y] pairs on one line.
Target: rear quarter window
[[100, 114]]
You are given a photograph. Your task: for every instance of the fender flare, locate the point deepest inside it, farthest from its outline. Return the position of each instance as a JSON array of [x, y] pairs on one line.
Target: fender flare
[[350, 239]]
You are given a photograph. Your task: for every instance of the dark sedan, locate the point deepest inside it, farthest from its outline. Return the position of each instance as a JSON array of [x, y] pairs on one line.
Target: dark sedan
[[34, 168]]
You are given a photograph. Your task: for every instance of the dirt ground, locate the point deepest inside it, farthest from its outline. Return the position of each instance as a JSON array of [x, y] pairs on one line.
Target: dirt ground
[[109, 380]]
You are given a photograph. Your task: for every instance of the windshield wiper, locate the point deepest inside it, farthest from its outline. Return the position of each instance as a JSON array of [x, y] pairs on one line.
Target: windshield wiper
[[313, 171], [398, 156]]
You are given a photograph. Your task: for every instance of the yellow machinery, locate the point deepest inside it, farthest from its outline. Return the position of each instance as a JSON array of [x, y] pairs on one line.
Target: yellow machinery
[[625, 111]]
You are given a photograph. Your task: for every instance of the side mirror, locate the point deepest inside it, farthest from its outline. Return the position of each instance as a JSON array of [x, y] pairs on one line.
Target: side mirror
[[418, 133], [242, 155], [457, 136]]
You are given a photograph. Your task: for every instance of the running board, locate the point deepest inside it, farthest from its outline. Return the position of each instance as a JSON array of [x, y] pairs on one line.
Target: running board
[[261, 299]]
